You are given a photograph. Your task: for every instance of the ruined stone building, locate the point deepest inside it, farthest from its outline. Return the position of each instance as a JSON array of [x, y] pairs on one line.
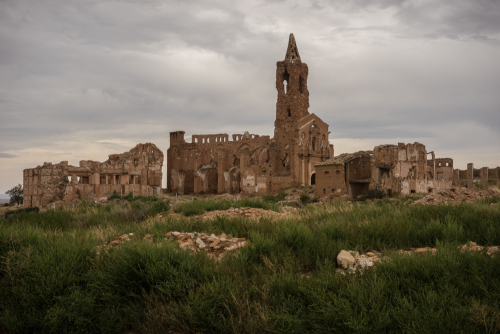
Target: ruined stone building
[[348, 173], [394, 169], [485, 176], [138, 171], [255, 164]]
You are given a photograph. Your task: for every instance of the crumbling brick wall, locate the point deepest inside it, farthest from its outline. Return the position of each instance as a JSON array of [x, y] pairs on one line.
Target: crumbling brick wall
[[138, 171], [394, 169], [404, 169], [346, 174], [470, 176]]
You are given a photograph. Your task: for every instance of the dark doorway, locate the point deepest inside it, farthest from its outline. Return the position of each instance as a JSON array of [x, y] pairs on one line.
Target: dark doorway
[[189, 182], [358, 189], [213, 179], [313, 179]]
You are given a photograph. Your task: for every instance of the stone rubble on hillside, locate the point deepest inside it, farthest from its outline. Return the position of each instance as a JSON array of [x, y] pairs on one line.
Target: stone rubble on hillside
[[215, 246], [411, 251], [473, 247], [246, 212], [455, 196], [351, 261]]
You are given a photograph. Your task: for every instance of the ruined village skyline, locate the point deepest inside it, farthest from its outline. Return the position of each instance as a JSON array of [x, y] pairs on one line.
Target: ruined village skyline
[[80, 82]]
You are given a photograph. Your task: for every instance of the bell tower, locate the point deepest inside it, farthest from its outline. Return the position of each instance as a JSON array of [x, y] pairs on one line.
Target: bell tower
[[291, 84], [292, 105]]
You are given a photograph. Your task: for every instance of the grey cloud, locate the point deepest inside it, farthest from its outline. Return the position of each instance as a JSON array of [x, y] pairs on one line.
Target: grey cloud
[[7, 155], [134, 70]]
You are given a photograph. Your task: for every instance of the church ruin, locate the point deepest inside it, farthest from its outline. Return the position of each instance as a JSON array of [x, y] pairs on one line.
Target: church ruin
[[299, 154], [250, 163]]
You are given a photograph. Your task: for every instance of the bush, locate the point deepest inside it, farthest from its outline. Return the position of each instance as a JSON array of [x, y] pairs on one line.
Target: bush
[[16, 195], [372, 194], [304, 198]]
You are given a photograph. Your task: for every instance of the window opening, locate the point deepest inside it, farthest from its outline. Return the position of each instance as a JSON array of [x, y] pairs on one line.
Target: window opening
[[286, 77], [302, 84]]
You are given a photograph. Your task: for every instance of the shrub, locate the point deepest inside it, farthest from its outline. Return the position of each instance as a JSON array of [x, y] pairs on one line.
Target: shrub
[[372, 194], [16, 195], [304, 198]]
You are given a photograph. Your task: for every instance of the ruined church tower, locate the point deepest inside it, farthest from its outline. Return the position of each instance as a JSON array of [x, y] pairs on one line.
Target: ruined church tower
[[255, 164], [291, 83], [291, 106], [300, 137]]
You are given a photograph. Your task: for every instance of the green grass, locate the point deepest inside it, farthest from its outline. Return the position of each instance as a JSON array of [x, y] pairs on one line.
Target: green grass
[[53, 281], [130, 197], [198, 207]]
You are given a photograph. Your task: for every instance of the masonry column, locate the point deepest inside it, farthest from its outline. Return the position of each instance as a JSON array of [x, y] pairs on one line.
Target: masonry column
[[221, 184], [470, 175], [484, 176]]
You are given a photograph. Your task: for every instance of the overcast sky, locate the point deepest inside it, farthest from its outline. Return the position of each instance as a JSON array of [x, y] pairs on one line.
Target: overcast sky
[[83, 79]]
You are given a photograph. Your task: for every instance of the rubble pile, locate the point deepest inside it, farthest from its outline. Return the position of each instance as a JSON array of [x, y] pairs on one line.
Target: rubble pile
[[455, 196], [350, 261], [412, 251], [215, 246], [473, 247], [246, 212]]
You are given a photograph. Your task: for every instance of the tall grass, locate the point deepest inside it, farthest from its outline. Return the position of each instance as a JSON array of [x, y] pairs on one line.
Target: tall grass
[[53, 280], [198, 207]]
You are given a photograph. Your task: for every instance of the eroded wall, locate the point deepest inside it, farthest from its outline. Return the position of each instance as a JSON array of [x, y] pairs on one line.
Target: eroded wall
[[485, 176], [138, 171], [405, 168], [346, 174]]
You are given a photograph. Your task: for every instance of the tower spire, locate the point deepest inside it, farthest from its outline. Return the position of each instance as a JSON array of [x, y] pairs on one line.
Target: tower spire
[[292, 53]]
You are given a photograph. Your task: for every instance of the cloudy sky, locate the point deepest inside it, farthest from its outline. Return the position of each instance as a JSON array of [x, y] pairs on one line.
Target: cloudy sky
[[83, 79]]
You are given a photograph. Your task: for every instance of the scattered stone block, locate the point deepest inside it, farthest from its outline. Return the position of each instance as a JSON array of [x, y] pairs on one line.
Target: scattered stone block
[[345, 259]]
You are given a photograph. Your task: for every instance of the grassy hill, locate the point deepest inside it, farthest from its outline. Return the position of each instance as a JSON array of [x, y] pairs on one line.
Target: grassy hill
[[58, 272]]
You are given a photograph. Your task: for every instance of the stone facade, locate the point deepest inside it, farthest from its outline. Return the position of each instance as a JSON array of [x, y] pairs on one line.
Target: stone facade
[[255, 164], [344, 174], [394, 169], [485, 176], [138, 171]]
